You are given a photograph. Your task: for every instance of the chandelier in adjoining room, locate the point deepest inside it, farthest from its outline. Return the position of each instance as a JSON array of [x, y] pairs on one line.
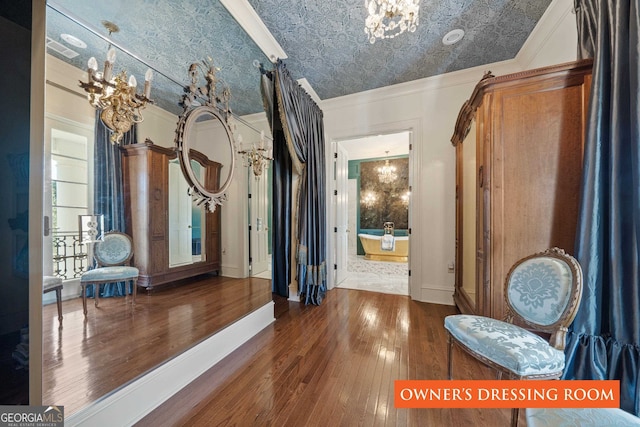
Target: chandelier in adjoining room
[[389, 18], [387, 173]]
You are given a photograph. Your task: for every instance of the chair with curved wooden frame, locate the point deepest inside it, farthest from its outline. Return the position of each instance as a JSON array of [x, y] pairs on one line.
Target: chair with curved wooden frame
[[542, 292], [113, 255]]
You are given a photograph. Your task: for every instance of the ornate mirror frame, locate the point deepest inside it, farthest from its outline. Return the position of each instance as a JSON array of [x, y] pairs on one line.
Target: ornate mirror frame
[[216, 106]]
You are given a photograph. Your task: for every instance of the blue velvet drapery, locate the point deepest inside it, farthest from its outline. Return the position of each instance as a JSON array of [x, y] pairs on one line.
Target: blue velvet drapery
[[604, 341], [108, 193], [281, 193], [303, 137]]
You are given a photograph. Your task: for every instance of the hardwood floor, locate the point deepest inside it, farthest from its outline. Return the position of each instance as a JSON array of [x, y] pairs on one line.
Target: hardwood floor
[[118, 342], [331, 365]]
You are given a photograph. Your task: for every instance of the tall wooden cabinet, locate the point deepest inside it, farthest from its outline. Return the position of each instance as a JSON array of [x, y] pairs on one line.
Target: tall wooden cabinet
[[519, 146], [146, 188]]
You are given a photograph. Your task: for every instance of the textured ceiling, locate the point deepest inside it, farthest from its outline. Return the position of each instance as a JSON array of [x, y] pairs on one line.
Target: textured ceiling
[[324, 40]]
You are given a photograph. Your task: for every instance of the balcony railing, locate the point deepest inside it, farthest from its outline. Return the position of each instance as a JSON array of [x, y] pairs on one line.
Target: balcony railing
[[69, 256]]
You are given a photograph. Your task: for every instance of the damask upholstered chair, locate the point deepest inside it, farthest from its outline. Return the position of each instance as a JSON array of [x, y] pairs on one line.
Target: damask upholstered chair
[[542, 292], [112, 255], [54, 284]]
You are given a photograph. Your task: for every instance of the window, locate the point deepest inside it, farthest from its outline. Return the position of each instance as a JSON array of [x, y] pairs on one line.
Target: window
[[69, 198]]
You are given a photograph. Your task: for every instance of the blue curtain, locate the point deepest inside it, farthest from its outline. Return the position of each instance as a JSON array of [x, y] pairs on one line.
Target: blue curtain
[[604, 341], [303, 128], [108, 194], [281, 193]]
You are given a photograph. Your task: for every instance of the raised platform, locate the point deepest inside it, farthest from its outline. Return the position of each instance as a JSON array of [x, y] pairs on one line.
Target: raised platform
[[130, 355]]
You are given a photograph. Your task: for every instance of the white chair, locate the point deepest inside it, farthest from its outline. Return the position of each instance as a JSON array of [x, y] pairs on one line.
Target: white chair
[[50, 284], [543, 292], [113, 255]]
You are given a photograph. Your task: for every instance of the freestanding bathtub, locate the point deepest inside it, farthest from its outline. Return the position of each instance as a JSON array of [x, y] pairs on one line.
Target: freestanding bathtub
[[371, 245]]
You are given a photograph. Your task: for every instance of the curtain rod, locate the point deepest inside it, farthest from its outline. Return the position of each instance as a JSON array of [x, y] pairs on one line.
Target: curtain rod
[[65, 12]]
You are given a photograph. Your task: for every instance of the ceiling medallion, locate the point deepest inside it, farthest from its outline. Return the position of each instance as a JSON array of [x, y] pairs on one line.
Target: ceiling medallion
[[389, 18]]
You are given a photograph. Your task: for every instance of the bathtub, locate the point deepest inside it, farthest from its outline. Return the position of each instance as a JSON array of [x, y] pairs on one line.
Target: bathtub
[[371, 245]]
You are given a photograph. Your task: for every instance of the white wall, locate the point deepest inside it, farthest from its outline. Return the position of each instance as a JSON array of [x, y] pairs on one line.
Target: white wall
[[429, 107]]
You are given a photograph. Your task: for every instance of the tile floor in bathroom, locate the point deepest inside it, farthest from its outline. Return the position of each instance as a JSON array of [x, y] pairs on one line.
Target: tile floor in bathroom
[[377, 276]]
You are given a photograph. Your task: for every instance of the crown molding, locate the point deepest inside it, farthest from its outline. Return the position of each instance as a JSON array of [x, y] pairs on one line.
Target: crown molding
[[440, 81], [249, 20], [307, 86]]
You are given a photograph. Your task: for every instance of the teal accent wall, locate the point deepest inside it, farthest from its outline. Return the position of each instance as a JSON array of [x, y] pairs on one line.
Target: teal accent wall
[[355, 172]]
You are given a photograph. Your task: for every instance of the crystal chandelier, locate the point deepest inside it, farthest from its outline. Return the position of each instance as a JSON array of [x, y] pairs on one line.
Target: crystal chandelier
[[387, 173], [389, 18], [369, 200], [116, 96]]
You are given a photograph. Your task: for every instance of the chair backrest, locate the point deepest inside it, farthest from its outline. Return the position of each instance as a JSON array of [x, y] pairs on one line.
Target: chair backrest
[[543, 291], [115, 249]]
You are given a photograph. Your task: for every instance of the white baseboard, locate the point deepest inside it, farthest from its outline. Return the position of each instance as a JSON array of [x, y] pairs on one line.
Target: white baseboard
[[437, 296], [132, 402], [293, 295], [233, 271]]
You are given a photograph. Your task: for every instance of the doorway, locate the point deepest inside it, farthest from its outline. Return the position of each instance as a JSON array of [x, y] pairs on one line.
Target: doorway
[[259, 188], [367, 199]]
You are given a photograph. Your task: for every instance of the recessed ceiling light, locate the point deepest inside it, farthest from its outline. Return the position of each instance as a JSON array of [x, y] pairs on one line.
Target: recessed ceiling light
[[452, 37], [73, 41]]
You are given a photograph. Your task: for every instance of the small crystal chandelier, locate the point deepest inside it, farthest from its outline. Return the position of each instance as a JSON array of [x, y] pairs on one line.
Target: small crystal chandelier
[[389, 18], [369, 200], [387, 173], [255, 157], [116, 96]]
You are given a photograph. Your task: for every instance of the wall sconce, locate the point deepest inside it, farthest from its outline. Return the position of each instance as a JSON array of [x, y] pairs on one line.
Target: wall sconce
[[255, 157], [116, 96], [91, 229], [369, 200], [405, 199]]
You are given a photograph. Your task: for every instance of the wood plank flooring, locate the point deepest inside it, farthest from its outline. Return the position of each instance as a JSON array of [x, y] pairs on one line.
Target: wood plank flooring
[[118, 342], [332, 365]]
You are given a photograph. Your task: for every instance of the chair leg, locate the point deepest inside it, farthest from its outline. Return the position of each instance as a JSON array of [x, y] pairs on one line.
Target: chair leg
[[59, 302], [499, 375], [515, 413], [450, 357], [96, 294], [135, 290], [84, 298]]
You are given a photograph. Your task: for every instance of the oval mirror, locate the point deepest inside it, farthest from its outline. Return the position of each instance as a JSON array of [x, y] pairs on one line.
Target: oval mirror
[[204, 137]]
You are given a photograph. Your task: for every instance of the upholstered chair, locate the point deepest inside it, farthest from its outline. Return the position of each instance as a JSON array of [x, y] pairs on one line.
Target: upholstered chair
[[113, 255], [542, 292], [54, 284]]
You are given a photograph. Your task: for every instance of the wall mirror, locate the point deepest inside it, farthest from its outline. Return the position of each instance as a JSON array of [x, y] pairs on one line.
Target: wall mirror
[[70, 126], [203, 131]]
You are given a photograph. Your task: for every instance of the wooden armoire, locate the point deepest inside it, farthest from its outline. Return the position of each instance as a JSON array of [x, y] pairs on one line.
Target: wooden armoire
[[146, 188], [519, 145]]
